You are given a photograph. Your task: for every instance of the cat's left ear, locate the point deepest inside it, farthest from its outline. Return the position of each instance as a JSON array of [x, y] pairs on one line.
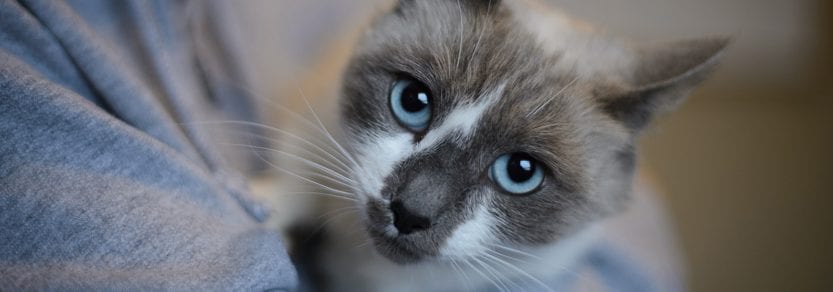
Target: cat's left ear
[[661, 77]]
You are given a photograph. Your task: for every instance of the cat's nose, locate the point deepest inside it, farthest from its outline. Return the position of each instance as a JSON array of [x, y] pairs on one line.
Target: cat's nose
[[406, 221]]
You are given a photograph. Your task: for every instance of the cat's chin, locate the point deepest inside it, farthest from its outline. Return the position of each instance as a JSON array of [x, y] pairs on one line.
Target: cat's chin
[[397, 254], [398, 249], [403, 256]]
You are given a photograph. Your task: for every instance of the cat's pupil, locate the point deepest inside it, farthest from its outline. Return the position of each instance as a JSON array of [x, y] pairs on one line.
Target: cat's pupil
[[521, 167], [414, 97]]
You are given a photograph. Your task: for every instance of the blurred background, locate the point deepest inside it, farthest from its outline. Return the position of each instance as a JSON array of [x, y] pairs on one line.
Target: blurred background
[[746, 165]]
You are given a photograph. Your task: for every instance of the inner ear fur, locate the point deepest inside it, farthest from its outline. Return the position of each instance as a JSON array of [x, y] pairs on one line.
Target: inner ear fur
[[661, 77]]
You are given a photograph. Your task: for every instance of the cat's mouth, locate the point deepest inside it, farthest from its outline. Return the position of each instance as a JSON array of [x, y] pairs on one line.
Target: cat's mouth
[[398, 250], [389, 242]]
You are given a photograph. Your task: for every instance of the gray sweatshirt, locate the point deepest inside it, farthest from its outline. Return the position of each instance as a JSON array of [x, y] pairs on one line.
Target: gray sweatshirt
[[106, 182]]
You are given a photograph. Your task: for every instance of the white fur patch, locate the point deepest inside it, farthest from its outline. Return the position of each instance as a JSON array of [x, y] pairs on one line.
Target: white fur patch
[[377, 157], [462, 120], [470, 237]]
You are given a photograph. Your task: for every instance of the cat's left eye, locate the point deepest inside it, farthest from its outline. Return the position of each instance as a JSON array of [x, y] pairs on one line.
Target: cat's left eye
[[410, 103], [517, 173]]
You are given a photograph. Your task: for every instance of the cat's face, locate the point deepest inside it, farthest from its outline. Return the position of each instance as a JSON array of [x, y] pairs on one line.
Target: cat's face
[[472, 131]]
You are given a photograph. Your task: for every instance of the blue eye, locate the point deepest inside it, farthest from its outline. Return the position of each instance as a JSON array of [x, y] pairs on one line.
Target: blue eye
[[517, 173], [410, 102]]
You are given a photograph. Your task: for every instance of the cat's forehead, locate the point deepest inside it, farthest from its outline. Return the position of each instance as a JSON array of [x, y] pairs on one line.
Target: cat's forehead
[[495, 84], [464, 52], [467, 49], [456, 46]]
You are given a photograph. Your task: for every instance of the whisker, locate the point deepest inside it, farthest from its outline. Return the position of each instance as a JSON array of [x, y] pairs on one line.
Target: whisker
[[343, 179], [286, 109], [431, 276], [336, 210], [497, 274], [547, 101], [296, 175], [251, 92], [479, 37], [281, 131], [462, 31], [333, 217], [312, 174], [320, 193], [331, 159], [310, 163], [478, 271], [517, 269], [315, 155], [517, 251], [482, 30], [326, 132], [562, 268], [365, 243], [463, 274]]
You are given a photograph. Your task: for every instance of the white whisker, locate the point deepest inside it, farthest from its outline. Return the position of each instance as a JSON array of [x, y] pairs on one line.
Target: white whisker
[[286, 109], [321, 194], [475, 269], [517, 251], [493, 273], [516, 269], [462, 31], [336, 167], [537, 258], [333, 217], [325, 177], [315, 155], [365, 243], [310, 163], [547, 101], [281, 131], [482, 31], [501, 273], [289, 172], [326, 132], [337, 210], [463, 274]]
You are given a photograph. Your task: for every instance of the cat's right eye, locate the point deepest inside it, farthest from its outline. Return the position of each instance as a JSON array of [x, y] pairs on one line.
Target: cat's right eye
[[517, 173], [410, 103]]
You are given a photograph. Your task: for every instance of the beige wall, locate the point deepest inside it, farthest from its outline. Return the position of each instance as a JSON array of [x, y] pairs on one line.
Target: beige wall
[[747, 162]]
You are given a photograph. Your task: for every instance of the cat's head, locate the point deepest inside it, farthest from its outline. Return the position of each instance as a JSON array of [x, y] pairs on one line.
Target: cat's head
[[483, 123]]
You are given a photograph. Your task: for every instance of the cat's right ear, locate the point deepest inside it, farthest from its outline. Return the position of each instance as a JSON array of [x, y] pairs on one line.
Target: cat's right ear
[[661, 77]]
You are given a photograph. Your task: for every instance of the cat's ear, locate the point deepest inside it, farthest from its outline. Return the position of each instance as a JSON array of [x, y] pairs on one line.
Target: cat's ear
[[661, 77]]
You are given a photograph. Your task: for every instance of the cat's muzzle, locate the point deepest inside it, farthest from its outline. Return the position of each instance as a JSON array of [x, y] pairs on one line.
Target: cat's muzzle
[[397, 233]]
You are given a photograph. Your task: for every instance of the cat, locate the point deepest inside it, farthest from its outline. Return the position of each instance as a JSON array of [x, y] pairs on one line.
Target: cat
[[476, 131]]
